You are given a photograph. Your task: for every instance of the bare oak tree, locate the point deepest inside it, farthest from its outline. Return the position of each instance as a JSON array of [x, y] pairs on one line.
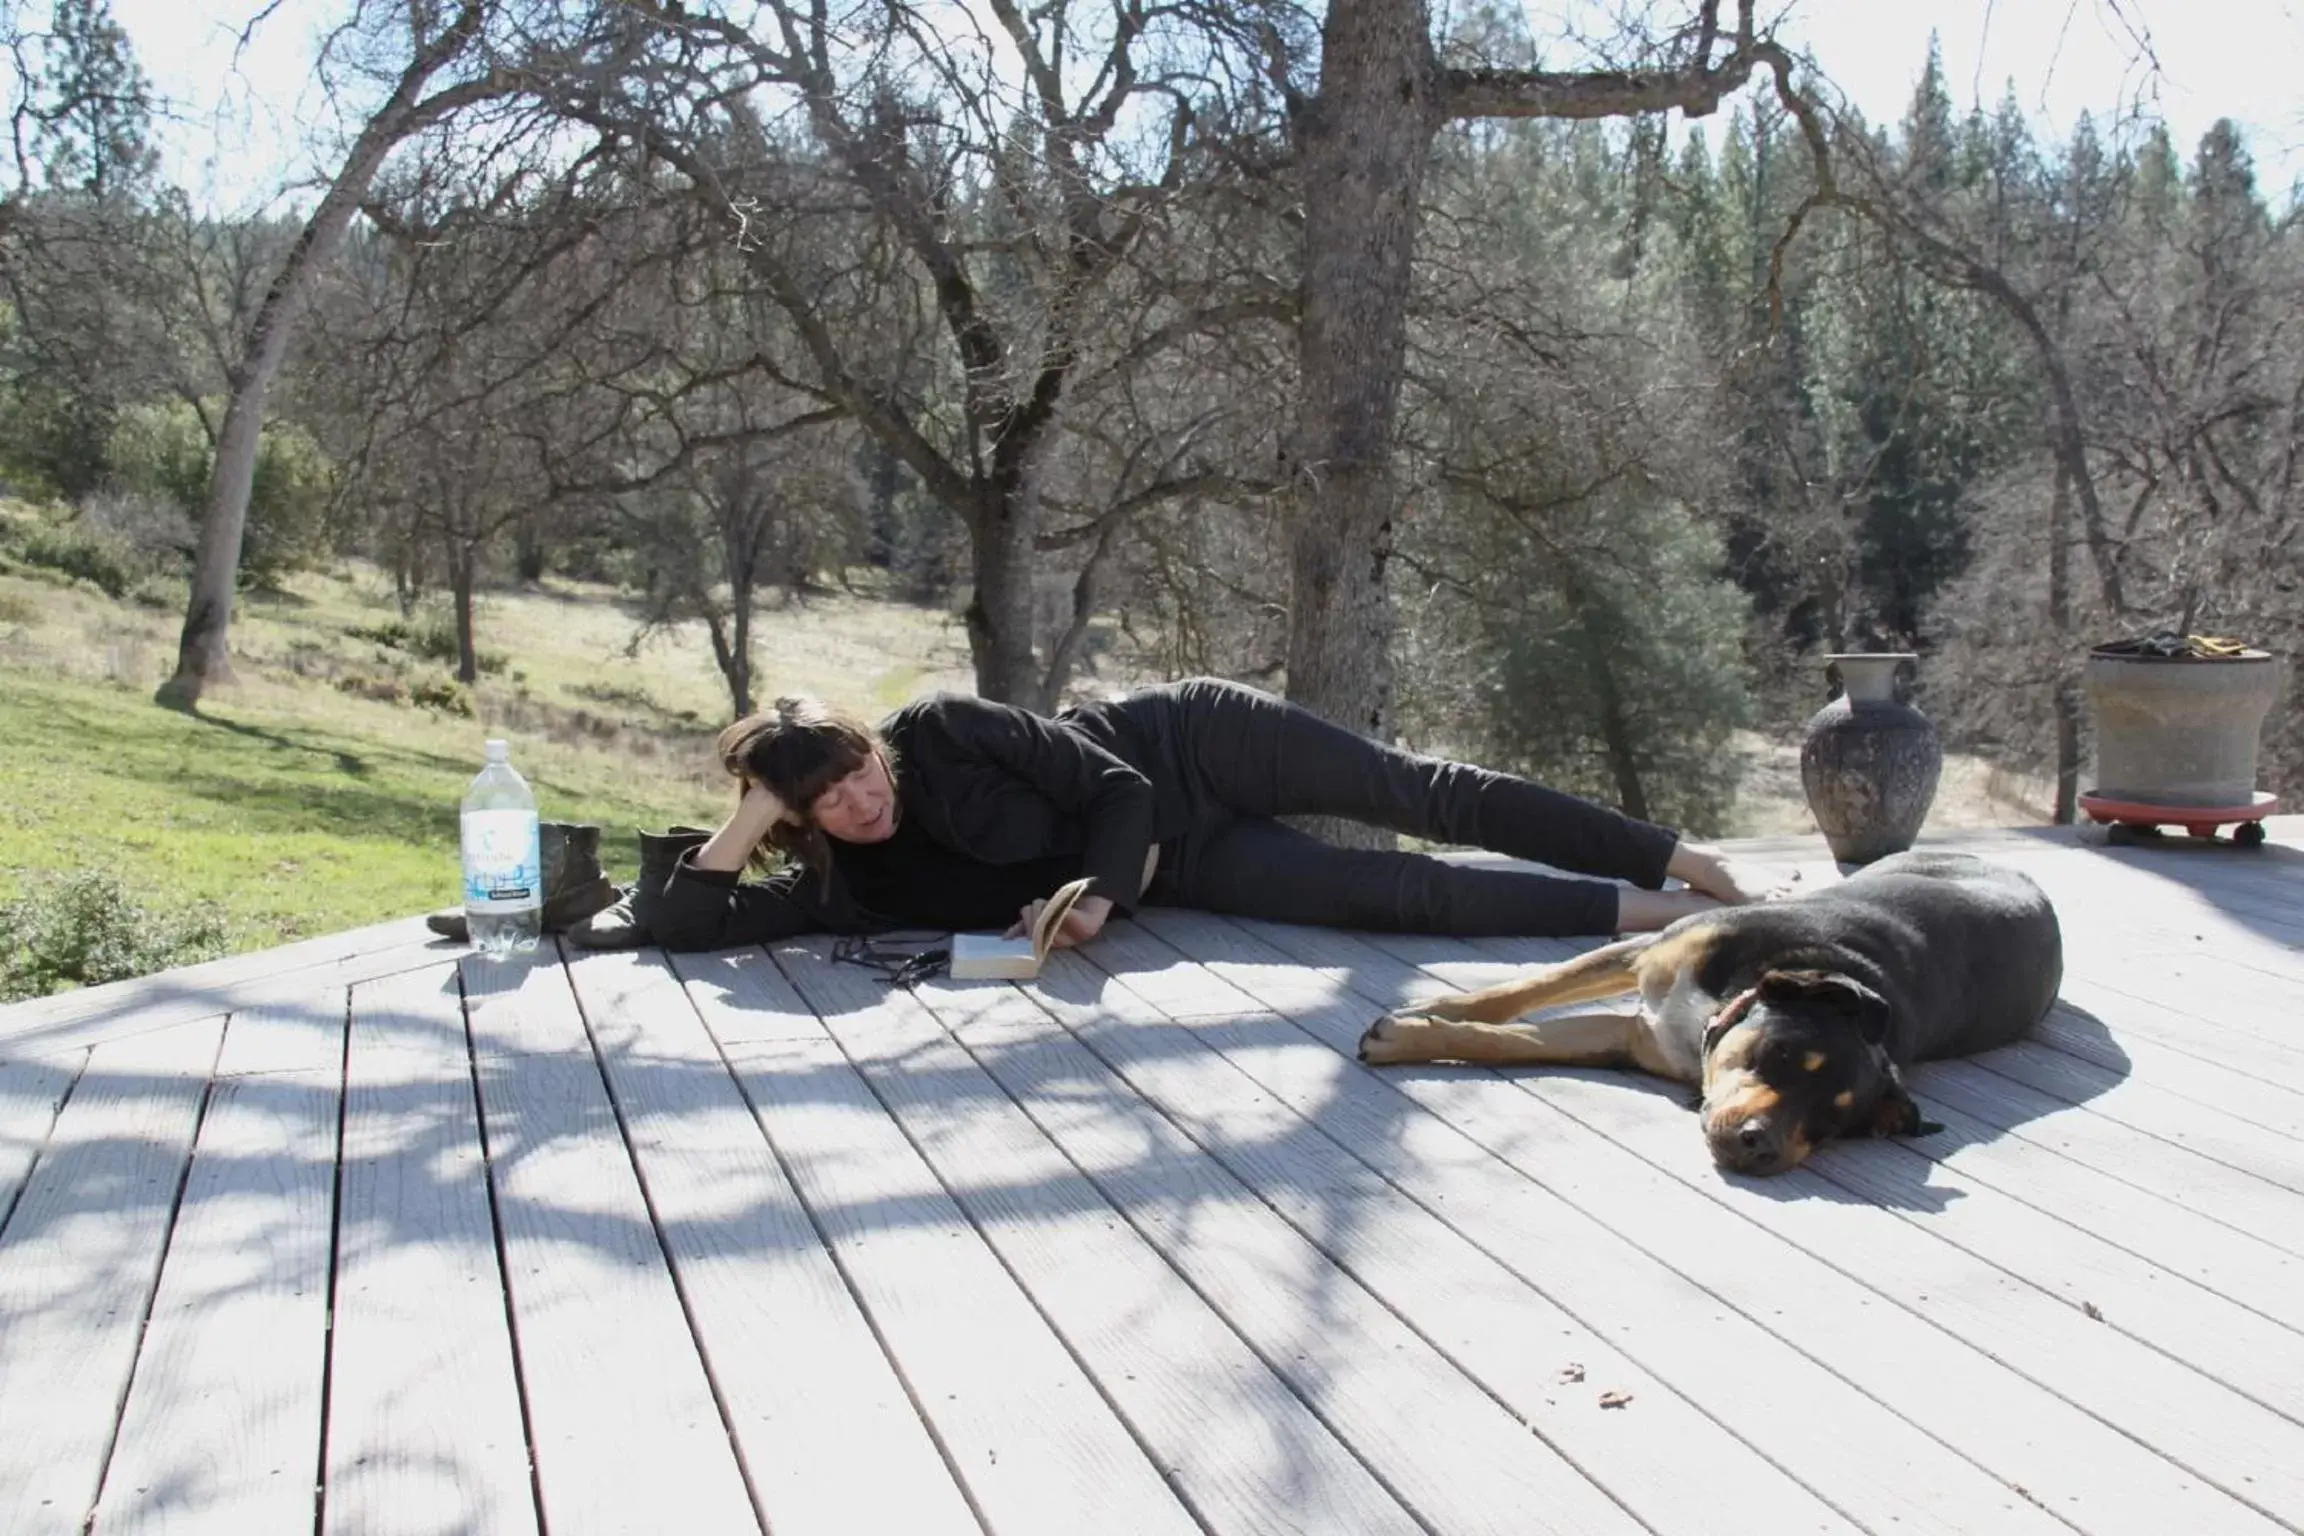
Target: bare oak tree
[[997, 180], [439, 48]]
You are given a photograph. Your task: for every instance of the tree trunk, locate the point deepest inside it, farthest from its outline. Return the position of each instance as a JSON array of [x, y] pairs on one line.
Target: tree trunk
[[2065, 435], [1615, 729], [530, 557], [1064, 651], [1365, 145], [745, 525], [739, 665], [1833, 593], [204, 652], [2067, 694], [462, 559], [1000, 612], [407, 578], [2067, 751], [1362, 148]]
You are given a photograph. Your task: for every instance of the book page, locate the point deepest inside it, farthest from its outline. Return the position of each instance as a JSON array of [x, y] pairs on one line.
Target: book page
[[1052, 919], [989, 957]]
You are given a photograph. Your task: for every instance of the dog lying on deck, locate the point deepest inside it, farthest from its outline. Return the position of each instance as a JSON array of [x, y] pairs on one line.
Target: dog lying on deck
[[1797, 1018]]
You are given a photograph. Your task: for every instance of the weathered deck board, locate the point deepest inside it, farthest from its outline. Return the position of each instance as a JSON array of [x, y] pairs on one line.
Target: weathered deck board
[[2238, 1199], [2028, 1435], [2232, 1263], [829, 1439], [2200, 1424], [2096, 1243], [78, 1261], [2153, 1109], [2275, 1103], [1239, 1447], [1454, 1455], [221, 1432], [2177, 1026], [2163, 1395], [624, 1431], [1794, 1397], [424, 1430], [357, 1235], [2184, 1319], [1038, 1447], [1672, 1465], [92, 1015], [30, 1094]]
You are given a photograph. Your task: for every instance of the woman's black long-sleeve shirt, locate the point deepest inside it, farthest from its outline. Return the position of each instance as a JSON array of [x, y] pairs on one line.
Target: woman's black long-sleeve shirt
[[998, 806]]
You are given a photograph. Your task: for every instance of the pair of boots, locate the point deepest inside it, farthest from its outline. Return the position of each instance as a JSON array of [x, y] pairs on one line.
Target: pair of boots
[[583, 903]]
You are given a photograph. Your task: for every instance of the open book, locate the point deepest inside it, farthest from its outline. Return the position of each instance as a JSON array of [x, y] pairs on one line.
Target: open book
[[989, 957]]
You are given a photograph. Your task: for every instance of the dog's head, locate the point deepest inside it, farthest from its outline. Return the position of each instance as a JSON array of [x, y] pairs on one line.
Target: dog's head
[[1797, 1060]]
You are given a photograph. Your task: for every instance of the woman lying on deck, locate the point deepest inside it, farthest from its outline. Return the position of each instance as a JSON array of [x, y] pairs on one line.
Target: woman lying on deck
[[963, 814]]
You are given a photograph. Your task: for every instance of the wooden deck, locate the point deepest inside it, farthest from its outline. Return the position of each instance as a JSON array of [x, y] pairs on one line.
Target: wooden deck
[[354, 1236]]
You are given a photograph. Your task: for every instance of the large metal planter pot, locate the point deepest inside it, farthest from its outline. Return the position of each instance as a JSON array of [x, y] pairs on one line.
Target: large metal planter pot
[[2179, 731]]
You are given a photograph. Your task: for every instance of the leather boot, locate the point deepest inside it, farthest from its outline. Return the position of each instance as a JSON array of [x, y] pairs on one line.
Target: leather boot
[[626, 924], [574, 887]]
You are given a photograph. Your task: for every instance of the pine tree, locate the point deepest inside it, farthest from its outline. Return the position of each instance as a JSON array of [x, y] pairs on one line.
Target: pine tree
[[1929, 152], [95, 112]]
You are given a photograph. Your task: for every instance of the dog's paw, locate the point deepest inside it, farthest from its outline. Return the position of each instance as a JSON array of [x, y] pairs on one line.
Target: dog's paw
[[1388, 1039]]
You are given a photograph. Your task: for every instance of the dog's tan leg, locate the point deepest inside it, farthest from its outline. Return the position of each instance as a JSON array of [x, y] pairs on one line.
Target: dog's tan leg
[[1603, 972], [1581, 1039]]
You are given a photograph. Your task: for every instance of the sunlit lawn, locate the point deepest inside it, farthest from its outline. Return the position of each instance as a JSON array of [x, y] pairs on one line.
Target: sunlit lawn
[[303, 808]]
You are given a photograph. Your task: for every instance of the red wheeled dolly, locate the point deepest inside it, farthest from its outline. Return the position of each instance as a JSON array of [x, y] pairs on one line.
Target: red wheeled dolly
[[2134, 820]]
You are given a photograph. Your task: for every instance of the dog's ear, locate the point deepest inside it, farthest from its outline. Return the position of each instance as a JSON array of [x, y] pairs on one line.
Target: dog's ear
[[1867, 1008], [1895, 1113]]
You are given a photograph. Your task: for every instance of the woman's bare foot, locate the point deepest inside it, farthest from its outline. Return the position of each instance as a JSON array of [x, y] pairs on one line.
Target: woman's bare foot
[[1734, 884]]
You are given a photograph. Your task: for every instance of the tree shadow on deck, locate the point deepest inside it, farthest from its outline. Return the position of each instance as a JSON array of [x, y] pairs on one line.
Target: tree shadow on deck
[[1305, 1135], [575, 1090]]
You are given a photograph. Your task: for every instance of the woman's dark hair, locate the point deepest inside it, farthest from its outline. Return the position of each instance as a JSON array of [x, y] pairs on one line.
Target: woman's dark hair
[[798, 747]]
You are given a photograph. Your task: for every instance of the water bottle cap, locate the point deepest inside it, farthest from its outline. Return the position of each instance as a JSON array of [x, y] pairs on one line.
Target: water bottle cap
[[499, 751]]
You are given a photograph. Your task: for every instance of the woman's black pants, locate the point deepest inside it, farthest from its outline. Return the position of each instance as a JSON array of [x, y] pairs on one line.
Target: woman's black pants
[[1227, 761]]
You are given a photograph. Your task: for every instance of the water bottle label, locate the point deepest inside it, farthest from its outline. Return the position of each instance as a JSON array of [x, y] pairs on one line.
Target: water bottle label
[[503, 866]]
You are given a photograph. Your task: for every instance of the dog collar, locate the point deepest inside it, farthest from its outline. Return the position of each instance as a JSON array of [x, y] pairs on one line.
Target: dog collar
[[1716, 1029], [1730, 1015]]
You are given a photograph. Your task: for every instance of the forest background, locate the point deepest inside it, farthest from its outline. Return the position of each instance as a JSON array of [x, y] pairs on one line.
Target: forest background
[[620, 366]]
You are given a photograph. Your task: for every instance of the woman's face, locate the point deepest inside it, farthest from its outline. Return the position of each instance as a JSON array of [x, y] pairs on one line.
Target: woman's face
[[860, 808]]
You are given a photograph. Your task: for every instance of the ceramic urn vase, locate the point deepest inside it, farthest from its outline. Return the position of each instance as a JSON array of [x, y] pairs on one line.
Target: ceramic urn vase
[[1870, 761]]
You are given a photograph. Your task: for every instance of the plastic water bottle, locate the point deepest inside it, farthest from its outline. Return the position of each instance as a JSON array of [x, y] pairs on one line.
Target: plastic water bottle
[[503, 864]]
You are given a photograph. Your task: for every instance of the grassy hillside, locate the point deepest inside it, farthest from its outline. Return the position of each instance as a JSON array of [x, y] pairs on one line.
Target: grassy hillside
[[313, 795]]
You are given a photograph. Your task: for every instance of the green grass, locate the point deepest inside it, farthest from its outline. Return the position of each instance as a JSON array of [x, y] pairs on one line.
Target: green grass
[[294, 827], [303, 807]]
